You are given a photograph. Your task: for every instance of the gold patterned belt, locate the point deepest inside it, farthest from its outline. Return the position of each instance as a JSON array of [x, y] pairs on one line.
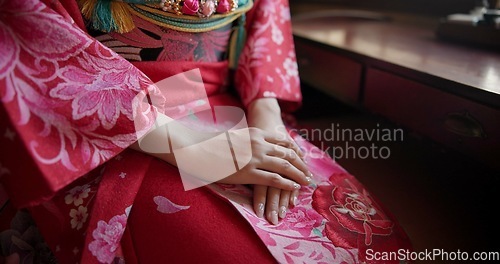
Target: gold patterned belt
[[201, 8], [184, 15]]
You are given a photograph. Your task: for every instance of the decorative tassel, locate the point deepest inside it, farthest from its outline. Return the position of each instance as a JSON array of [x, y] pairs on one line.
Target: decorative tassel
[[87, 8], [122, 17], [237, 41], [107, 15]]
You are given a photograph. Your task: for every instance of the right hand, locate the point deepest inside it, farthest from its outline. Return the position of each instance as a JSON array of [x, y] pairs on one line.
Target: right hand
[[276, 162], [273, 161]]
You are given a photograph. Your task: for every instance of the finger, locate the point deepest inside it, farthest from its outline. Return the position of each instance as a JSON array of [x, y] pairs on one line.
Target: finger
[[272, 203], [284, 201], [271, 179], [294, 197], [284, 168], [292, 157], [259, 199], [285, 141]]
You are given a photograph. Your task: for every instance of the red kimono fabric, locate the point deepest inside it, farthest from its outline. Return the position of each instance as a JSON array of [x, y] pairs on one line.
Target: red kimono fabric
[[68, 120]]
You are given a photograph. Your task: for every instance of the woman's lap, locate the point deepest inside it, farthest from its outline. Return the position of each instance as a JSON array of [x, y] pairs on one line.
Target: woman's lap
[[205, 228], [169, 225]]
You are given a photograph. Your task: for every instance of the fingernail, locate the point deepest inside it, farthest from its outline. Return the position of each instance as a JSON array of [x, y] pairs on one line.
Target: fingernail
[[260, 210], [274, 217], [296, 186], [310, 179], [310, 175], [295, 201], [282, 212]]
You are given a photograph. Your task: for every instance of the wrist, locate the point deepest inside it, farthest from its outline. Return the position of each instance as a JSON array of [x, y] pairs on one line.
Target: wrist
[[264, 109], [265, 105], [265, 114]]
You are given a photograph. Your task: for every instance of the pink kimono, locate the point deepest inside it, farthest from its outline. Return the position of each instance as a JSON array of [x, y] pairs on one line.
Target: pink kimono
[[66, 122]]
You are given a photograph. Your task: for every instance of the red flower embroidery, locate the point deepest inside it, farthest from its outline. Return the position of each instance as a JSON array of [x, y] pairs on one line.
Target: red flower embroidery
[[353, 217]]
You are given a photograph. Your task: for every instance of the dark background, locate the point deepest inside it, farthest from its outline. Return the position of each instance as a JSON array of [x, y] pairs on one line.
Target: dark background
[[424, 7]]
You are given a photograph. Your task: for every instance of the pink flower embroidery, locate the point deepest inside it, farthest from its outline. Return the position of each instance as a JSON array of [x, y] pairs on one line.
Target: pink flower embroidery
[[301, 220], [107, 238], [77, 194], [105, 86], [50, 69], [16, 20], [305, 195], [21, 39], [78, 217], [262, 65]]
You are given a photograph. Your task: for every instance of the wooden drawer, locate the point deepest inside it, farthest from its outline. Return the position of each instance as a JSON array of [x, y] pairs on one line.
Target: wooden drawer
[[466, 126], [333, 74]]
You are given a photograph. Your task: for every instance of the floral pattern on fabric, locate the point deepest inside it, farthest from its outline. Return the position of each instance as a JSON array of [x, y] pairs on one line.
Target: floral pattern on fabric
[[349, 206], [335, 221], [77, 194], [355, 220], [107, 237], [96, 87], [301, 236], [69, 213], [267, 66], [64, 91], [78, 217], [68, 99], [298, 238]]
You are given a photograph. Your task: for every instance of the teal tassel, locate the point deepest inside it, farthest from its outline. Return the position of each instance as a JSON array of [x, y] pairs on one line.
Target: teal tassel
[[109, 15], [102, 18], [237, 42]]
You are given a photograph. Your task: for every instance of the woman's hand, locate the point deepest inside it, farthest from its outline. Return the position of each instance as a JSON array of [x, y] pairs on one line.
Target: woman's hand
[[266, 158], [272, 202], [275, 162], [276, 167]]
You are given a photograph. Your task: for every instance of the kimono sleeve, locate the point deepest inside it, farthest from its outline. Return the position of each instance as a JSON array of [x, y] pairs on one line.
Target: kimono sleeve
[[67, 101], [267, 66]]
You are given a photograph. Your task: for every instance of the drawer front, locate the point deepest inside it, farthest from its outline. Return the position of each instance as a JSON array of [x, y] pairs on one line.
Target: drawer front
[[466, 126], [333, 74]]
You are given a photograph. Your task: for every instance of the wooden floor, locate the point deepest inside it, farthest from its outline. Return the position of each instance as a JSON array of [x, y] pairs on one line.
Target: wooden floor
[[442, 199]]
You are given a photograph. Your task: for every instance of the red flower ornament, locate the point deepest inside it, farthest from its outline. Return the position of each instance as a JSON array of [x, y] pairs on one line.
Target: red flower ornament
[[190, 7], [224, 6], [353, 217]]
